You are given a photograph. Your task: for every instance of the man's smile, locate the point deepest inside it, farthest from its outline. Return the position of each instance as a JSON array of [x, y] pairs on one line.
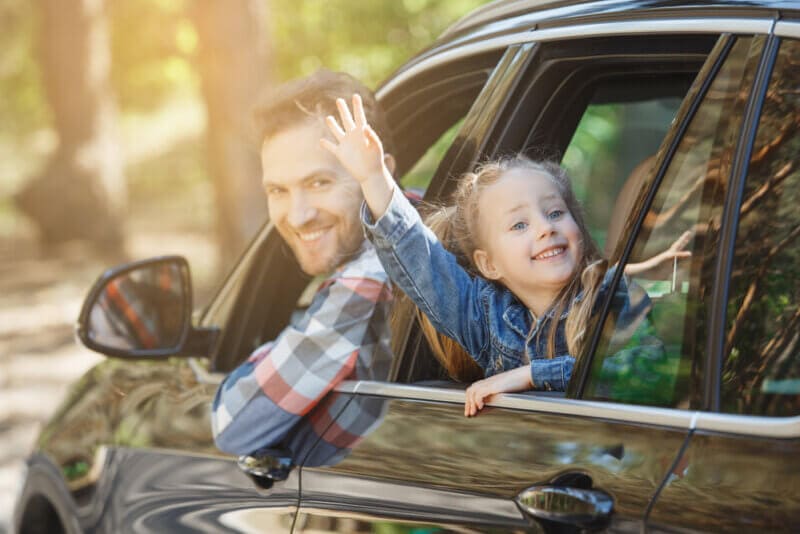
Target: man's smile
[[311, 235]]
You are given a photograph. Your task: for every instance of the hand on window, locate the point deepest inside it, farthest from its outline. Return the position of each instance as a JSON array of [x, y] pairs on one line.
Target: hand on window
[[478, 393]]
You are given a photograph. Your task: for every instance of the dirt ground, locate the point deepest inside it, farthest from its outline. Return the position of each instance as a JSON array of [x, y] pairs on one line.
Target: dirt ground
[[40, 298]]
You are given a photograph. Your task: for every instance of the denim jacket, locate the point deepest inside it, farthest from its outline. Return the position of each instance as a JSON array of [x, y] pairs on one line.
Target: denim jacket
[[487, 319]]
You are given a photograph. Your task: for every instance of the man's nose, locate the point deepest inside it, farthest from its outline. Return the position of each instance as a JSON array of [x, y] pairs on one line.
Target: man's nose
[[301, 211]]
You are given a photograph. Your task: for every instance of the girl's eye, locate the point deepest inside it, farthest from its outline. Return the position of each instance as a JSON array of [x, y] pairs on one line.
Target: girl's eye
[[555, 214], [519, 226]]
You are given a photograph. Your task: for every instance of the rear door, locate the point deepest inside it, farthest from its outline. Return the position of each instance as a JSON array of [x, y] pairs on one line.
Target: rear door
[[742, 464]]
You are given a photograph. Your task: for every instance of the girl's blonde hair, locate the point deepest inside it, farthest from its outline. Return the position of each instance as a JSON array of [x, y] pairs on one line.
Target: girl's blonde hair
[[458, 229]]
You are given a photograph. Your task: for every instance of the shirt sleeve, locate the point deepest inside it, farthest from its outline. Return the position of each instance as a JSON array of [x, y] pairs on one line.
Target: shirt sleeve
[[260, 401], [552, 374], [430, 275]]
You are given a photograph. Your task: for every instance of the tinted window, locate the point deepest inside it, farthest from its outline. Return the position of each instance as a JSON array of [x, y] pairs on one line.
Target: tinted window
[[761, 374], [656, 356], [620, 130]]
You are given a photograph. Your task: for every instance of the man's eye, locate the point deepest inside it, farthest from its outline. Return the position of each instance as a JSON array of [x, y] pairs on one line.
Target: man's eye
[[272, 191], [521, 225], [319, 182], [555, 214]]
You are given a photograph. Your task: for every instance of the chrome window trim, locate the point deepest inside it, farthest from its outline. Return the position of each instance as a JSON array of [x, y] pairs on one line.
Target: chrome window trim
[[602, 410], [787, 29], [749, 425], [704, 25], [744, 425]]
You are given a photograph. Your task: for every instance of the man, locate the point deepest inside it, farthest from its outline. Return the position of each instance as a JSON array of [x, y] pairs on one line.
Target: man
[[314, 204]]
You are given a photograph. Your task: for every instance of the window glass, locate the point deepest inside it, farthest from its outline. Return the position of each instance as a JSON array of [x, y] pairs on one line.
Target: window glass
[[420, 175], [611, 142], [652, 343], [761, 374]]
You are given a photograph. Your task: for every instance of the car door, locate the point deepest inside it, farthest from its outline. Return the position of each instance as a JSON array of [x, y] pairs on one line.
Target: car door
[[597, 456], [740, 468]]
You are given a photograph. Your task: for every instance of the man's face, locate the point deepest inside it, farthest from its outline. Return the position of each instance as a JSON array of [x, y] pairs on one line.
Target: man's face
[[313, 202]]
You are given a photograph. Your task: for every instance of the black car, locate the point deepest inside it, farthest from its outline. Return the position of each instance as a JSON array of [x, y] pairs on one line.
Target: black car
[[677, 115]]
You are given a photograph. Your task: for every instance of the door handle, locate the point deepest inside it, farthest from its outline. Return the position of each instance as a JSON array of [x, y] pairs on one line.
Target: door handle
[[267, 466], [585, 508]]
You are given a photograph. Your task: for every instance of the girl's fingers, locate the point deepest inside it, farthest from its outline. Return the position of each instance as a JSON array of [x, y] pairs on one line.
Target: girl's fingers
[[344, 114], [358, 111], [334, 127]]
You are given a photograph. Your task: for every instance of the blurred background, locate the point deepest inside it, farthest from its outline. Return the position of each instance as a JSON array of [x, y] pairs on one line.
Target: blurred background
[[125, 133]]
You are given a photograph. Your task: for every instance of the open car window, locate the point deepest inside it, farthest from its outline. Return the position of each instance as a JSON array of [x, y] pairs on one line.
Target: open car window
[[606, 113]]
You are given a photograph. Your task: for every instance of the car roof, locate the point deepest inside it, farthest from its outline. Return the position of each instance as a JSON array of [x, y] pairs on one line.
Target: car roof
[[565, 11], [506, 17]]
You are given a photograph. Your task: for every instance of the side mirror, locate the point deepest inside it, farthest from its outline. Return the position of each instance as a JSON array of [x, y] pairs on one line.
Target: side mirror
[[140, 310]]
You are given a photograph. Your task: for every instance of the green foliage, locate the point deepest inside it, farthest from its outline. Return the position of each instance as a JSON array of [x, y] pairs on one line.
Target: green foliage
[[366, 39], [21, 106], [152, 46]]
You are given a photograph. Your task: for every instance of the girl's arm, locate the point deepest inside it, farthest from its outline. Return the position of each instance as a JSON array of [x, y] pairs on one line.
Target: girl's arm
[[674, 251], [477, 394], [410, 252]]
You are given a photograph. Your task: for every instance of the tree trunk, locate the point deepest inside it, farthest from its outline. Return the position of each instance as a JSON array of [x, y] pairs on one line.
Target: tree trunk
[[80, 193], [233, 63]]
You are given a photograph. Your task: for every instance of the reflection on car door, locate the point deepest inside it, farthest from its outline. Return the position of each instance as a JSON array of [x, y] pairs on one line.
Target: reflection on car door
[[425, 462]]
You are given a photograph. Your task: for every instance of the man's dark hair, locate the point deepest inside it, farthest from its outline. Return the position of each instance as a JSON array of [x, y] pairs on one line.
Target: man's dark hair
[[314, 97]]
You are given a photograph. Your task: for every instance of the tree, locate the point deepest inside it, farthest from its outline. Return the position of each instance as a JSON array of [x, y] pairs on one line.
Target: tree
[[80, 193], [234, 67]]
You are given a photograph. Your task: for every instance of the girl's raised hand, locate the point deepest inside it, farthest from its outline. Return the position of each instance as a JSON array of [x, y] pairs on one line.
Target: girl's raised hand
[[358, 148]]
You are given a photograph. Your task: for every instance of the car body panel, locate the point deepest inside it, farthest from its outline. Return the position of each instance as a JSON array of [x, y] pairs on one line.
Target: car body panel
[[133, 442], [732, 483], [424, 451]]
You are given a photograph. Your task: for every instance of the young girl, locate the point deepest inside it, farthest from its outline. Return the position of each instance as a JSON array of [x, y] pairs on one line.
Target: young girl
[[522, 312]]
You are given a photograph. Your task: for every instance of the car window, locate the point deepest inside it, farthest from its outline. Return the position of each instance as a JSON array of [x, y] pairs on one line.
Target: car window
[[761, 373], [621, 129], [606, 111], [652, 344]]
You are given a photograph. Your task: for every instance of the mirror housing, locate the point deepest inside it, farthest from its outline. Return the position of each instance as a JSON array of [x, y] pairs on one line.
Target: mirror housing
[[143, 309]]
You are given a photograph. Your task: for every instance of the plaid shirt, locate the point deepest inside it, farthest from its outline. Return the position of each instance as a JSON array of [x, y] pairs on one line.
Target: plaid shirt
[[344, 334]]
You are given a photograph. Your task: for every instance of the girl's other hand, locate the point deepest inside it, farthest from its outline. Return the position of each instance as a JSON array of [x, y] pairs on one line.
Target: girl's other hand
[[676, 250], [358, 148], [478, 393]]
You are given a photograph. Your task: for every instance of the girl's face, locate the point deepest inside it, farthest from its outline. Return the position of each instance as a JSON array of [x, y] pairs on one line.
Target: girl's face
[[530, 242]]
